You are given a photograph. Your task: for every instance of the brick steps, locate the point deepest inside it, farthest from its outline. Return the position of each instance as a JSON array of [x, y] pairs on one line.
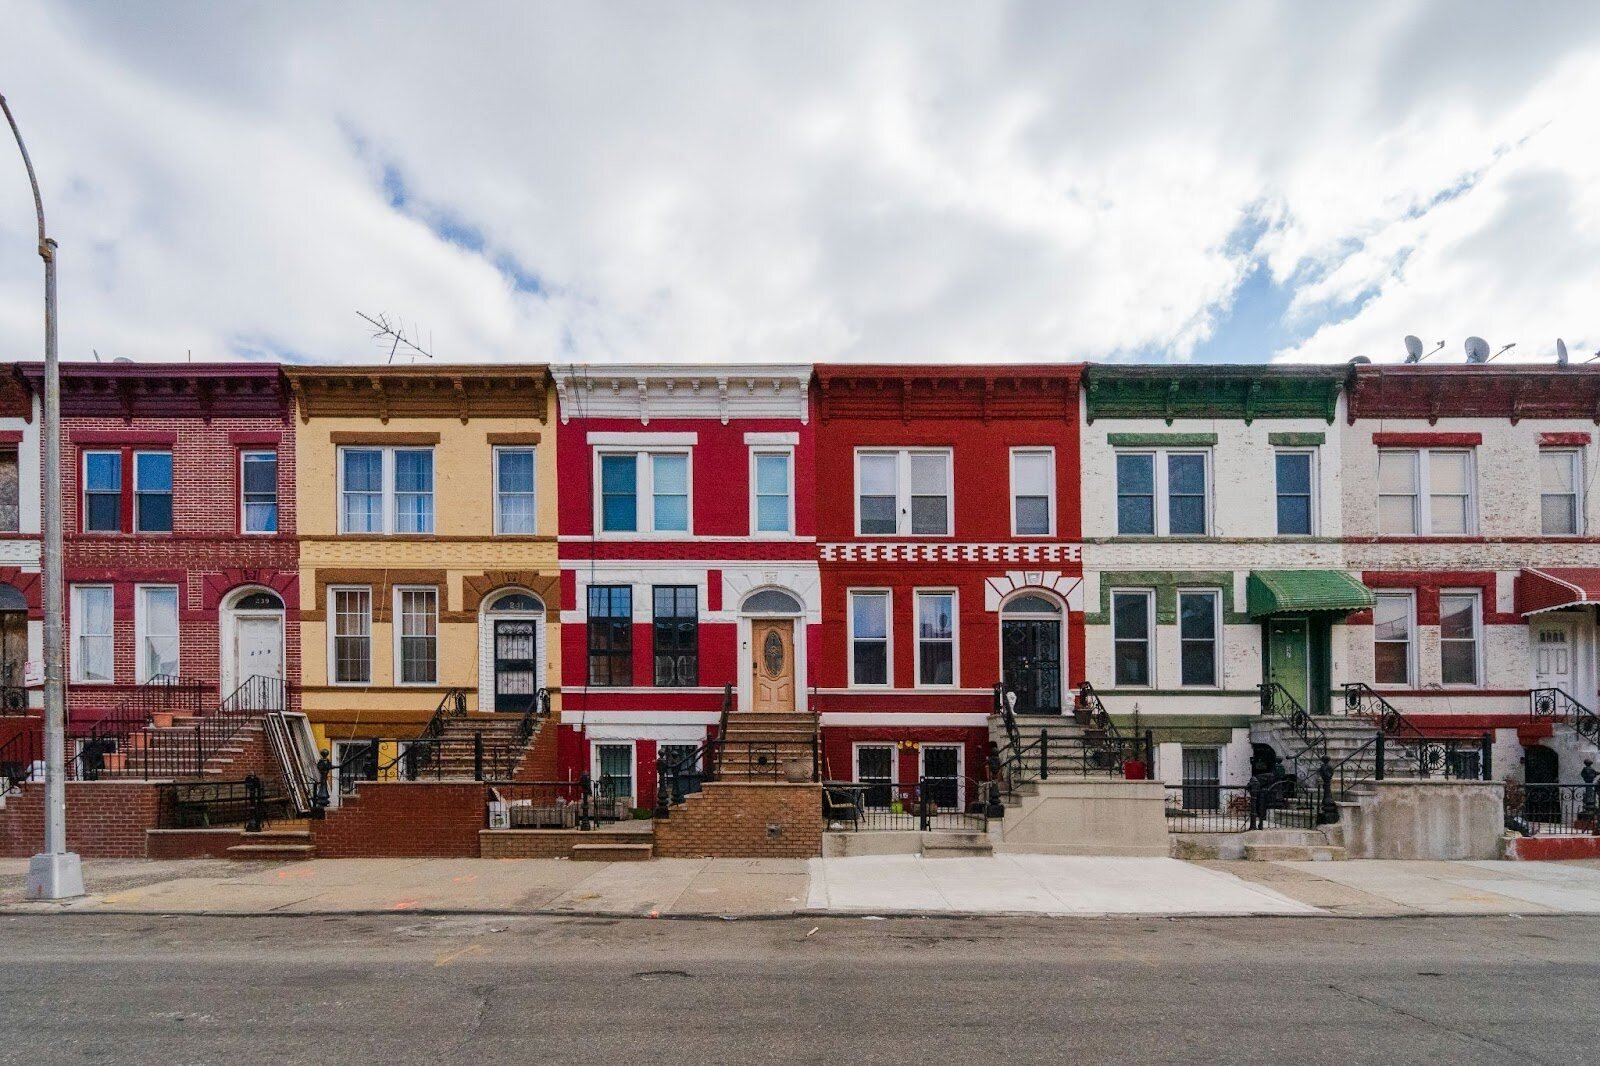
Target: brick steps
[[612, 852]]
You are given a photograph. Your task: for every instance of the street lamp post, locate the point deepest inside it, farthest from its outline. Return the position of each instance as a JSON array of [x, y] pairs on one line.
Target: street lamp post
[[54, 873]]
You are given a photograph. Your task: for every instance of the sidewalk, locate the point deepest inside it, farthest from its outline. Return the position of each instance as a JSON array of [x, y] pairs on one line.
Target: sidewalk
[[868, 886]]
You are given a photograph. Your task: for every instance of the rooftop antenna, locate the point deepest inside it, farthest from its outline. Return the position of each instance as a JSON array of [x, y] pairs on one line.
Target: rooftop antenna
[[96, 352], [1477, 350], [1561, 352], [1501, 352], [392, 332], [1414, 352]]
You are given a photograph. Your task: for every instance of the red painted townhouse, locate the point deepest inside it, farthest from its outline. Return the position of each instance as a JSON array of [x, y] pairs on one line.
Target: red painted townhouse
[[948, 530], [688, 559], [178, 516]]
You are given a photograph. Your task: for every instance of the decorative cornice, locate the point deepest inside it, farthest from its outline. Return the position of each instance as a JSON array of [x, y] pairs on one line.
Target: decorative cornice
[[165, 390], [463, 392], [643, 392], [1240, 392], [1460, 391], [908, 393]]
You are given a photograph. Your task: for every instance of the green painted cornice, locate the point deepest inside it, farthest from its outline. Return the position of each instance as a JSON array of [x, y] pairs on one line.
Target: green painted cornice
[[1242, 392]]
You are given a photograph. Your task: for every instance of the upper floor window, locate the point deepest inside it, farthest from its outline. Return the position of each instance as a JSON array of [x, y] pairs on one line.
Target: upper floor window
[[515, 504], [644, 492], [1424, 492], [773, 504], [1197, 637], [385, 490], [904, 493], [610, 635], [677, 635], [1393, 626], [1458, 638], [10, 491], [93, 634], [156, 631], [103, 484], [258, 491], [1560, 492], [869, 637], [1032, 492], [936, 638], [1294, 471], [1162, 493], [152, 492], [1132, 620]]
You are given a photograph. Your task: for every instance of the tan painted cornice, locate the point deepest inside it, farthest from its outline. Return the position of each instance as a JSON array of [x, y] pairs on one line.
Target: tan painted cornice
[[385, 392]]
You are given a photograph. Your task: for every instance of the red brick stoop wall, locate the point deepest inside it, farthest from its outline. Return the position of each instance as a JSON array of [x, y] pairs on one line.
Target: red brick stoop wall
[[105, 819], [404, 819], [539, 761], [733, 819]]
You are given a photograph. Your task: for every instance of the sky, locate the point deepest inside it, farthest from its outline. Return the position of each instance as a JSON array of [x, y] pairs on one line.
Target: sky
[[703, 182]]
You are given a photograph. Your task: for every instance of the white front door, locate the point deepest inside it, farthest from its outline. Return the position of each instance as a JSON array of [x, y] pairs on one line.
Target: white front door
[[257, 647], [1554, 658]]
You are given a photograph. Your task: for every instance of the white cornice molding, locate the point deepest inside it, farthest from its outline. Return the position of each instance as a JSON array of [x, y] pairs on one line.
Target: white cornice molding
[[646, 391]]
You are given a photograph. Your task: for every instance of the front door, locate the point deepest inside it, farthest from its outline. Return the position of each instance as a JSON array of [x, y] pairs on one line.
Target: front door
[[1031, 663], [1541, 769], [1288, 658], [772, 646], [516, 674], [941, 775], [258, 647], [1553, 660]]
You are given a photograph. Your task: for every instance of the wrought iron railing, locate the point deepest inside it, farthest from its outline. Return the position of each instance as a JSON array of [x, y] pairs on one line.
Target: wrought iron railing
[[1106, 748], [1362, 701], [1208, 807], [19, 758], [453, 704], [1553, 810], [679, 778], [537, 710], [13, 700], [1278, 702], [932, 804], [580, 804], [1557, 704]]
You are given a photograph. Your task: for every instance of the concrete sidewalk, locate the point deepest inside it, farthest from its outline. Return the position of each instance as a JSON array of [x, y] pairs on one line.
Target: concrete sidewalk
[[870, 885]]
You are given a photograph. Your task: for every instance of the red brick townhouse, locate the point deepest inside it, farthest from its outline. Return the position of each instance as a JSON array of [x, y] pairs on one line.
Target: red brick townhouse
[[1467, 511], [21, 606], [179, 525], [688, 558], [948, 531]]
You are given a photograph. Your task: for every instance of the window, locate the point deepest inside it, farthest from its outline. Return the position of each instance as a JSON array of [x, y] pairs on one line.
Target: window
[[1163, 493], [10, 491], [677, 635], [936, 638], [1032, 492], [1442, 478], [515, 505], [613, 765], [352, 635], [875, 766], [1560, 509], [610, 635], [418, 612], [152, 492], [1130, 637], [102, 492], [661, 478], [905, 493], [1458, 638], [869, 638], [156, 630], [1391, 638], [258, 486], [774, 512], [1197, 638], [1294, 493], [386, 490], [684, 758], [92, 634]]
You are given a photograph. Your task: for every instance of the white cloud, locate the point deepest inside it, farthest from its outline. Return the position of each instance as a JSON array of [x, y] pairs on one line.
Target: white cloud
[[728, 181]]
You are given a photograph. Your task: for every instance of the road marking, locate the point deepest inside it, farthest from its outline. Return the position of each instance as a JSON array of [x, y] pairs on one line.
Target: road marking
[[451, 956]]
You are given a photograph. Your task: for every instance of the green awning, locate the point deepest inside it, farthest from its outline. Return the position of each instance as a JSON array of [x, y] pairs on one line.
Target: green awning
[[1294, 591]]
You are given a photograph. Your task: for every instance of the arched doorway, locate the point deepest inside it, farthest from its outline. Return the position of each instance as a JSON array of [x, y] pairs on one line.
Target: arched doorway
[[13, 647], [511, 643], [774, 621], [252, 637], [1030, 651]]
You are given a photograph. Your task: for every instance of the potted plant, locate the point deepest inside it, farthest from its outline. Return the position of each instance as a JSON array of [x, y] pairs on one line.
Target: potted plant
[[796, 771], [161, 719]]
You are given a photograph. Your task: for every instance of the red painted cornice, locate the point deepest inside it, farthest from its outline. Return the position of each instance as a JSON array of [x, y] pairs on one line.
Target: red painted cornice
[[1509, 392]]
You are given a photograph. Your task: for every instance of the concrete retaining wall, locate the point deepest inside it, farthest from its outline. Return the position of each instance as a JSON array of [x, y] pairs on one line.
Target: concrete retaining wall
[[1425, 819], [1088, 816]]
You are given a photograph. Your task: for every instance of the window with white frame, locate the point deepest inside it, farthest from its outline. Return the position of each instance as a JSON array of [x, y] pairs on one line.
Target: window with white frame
[[1425, 492], [385, 490], [904, 492], [515, 503], [936, 638], [1197, 637], [869, 637], [155, 621], [1293, 471], [875, 768], [613, 764], [1163, 493], [417, 609], [93, 634], [1458, 637], [773, 504], [258, 491], [644, 492], [1032, 492], [1393, 628], [1560, 495], [350, 609], [1132, 621]]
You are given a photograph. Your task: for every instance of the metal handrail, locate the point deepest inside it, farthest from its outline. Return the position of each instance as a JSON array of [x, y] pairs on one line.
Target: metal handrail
[[1362, 701], [702, 764], [1558, 704]]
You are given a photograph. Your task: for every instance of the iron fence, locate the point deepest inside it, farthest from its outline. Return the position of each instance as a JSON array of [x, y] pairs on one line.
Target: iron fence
[[949, 803], [1208, 807], [580, 804], [1553, 810]]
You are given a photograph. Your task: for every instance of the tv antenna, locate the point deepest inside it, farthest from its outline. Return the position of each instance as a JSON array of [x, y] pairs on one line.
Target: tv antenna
[[1414, 353], [1477, 350], [391, 331], [1501, 352]]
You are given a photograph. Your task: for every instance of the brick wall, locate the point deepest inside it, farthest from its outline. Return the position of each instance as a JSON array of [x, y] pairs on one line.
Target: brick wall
[[540, 761], [105, 819], [729, 819], [404, 819], [549, 843]]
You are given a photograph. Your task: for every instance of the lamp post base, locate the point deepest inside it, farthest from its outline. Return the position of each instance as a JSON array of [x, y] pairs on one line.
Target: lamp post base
[[55, 875]]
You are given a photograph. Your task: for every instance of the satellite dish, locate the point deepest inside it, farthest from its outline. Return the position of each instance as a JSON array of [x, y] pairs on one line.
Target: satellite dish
[[1363, 360], [1477, 350], [1561, 352], [122, 359], [1413, 348]]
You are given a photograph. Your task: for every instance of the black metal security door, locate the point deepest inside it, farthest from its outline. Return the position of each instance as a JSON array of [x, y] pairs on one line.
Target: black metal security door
[[1031, 663], [516, 674], [941, 777]]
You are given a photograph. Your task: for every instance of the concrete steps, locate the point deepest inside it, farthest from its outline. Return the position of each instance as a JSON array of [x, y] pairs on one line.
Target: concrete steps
[[758, 745], [612, 851], [1290, 845], [276, 844], [948, 845]]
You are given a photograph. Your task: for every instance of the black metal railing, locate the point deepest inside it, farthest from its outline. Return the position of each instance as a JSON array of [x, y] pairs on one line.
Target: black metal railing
[[537, 710], [933, 804], [453, 704], [13, 700], [682, 777], [103, 742], [1106, 749], [1362, 701], [1553, 810], [19, 758], [580, 804], [195, 804], [1278, 702], [1555, 704], [1209, 807]]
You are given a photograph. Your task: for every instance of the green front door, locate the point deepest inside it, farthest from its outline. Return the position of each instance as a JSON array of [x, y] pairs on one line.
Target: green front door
[[1288, 658]]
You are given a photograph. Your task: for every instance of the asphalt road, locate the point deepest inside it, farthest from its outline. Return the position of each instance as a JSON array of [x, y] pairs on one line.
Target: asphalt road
[[411, 988]]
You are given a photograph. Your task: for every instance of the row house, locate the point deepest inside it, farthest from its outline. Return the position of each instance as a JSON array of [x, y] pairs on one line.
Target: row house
[[948, 527], [688, 559], [427, 526], [178, 501], [21, 606]]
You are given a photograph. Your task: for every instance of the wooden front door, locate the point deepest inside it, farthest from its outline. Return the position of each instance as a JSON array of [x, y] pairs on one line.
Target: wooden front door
[[1288, 658], [772, 655]]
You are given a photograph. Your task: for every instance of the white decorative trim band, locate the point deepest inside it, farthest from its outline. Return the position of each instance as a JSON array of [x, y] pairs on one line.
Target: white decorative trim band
[[769, 439], [644, 440], [909, 718], [951, 553]]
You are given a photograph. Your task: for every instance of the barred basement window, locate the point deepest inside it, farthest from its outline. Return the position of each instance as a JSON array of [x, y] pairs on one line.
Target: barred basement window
[[610, 635], [677, 640], [418, 611]]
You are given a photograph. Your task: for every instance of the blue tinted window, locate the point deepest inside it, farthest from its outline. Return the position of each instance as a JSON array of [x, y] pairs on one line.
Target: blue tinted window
[[619, 480], [1136, 495]]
